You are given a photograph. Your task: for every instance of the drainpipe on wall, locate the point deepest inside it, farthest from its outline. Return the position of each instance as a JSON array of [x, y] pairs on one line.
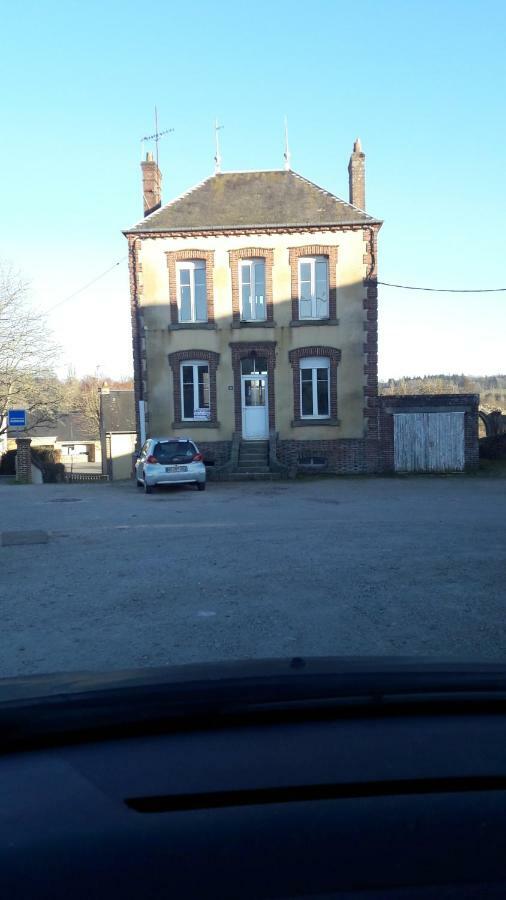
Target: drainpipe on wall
[[142, 422]]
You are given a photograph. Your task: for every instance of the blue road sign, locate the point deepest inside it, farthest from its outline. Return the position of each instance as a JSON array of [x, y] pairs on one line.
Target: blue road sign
[[16, 418]]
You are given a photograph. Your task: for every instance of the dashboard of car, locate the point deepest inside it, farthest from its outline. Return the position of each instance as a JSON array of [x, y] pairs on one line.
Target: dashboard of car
[[292, 792]]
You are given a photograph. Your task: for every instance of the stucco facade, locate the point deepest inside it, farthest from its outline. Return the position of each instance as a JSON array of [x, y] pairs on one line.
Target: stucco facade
[[348, 336]]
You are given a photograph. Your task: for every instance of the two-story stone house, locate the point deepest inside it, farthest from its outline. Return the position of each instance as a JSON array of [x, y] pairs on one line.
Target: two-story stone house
[[254, 317]]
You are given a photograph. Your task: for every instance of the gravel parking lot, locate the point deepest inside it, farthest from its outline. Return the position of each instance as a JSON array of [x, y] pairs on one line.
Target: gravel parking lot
[[397, 566]]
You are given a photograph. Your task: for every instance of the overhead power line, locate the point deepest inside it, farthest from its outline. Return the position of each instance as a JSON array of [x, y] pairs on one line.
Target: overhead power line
[[411, 287], [87, 285], [403, 287]]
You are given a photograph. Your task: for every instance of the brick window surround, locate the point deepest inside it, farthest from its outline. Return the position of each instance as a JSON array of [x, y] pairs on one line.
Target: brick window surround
[[175, 360], [242, 350], [175, 256], [295, 253], [251, 253], [295, 356]]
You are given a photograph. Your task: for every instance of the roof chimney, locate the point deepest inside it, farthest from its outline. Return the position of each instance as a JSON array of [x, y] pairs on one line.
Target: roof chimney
[[151, 184], [356, 172]]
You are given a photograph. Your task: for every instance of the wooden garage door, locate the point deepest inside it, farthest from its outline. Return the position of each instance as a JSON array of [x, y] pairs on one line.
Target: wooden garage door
[[429, 442]]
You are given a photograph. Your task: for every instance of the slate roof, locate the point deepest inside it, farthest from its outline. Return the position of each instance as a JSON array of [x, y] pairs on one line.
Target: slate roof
[[75, 427], [118, 411], [67, 427], [234, 200]]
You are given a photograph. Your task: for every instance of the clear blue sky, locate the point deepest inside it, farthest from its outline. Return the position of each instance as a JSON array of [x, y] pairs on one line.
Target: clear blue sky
[[422, 83]]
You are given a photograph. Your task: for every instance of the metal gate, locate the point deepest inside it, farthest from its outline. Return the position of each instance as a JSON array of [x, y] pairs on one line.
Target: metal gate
[[429, 442]]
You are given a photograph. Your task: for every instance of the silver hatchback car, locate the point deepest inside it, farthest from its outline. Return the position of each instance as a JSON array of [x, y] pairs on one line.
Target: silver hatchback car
[[169, 461]]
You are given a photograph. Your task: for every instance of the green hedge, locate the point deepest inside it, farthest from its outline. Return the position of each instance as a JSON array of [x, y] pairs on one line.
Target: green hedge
[[52, 471], [8, 463]]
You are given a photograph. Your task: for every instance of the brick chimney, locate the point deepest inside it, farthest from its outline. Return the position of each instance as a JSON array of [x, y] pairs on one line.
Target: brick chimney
[[151, 185], [356, 172]]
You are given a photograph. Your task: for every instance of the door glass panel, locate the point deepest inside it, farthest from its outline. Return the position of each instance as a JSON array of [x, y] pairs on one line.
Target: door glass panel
[[305, 290], [322, 309], [257, 364], [188, 392], [259, 306], [184, 277], [305, 274], [260, 290], [321, 279], [322, 291], [246, 302], [322, 391], [306, 383], [254, 392], [188, 401], [305, 309], [200, 295], [203, 387], [185, 312]]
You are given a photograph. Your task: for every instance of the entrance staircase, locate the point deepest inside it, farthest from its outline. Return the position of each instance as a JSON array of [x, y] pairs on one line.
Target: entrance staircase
[[253, 458], [250, 461]]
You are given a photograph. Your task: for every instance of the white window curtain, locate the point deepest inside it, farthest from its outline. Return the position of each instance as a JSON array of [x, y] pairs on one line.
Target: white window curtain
[[313, 287], [252, 280], [192, 296]]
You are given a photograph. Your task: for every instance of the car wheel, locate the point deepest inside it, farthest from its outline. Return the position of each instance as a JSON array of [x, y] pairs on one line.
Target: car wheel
[[201, 485], [148, 489]]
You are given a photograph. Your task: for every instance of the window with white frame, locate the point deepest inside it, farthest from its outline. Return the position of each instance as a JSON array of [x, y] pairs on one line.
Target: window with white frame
[[196, 404], [252, 280], [313, 287], [191, 291], [315, 388]]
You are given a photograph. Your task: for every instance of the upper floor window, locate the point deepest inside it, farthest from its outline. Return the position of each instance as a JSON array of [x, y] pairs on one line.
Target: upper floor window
[[313, 287], [191, 290], [195, 390], [314, 388], [252, 281]]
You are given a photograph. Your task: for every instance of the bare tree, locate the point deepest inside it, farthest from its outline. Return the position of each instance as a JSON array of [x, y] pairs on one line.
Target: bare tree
[[89, 401], [88, 397], [27, 356]]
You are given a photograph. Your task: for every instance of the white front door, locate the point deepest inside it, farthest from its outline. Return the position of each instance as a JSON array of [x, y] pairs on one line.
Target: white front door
[[255, 416]]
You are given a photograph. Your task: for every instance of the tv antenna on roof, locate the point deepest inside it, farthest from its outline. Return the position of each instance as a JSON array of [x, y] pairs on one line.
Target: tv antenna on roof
[[217, 158], [156, 136], [287, 155]]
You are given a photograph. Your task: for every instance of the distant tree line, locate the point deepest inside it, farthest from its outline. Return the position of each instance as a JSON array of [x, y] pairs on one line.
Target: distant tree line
[[491, 388]]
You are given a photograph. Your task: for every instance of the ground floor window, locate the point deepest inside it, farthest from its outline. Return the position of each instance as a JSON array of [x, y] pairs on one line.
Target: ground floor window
[[315, 385], [314, 388], [194, 383], [196, 393]]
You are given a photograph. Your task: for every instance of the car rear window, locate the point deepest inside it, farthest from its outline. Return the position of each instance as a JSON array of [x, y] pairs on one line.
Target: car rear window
[[174, 451]]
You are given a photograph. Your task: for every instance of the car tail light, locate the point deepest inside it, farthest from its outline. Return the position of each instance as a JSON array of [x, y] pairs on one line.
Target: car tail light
[[151, 459], [198, 457]]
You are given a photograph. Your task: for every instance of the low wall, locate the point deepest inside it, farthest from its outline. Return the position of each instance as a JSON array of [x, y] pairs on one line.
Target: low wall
[[365, 456]]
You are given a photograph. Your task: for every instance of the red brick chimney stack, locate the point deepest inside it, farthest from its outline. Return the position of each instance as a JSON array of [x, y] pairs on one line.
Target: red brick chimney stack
[[151, 185], [356, 172]]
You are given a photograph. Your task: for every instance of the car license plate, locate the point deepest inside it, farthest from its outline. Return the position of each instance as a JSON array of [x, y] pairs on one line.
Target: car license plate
[[176, 468]]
